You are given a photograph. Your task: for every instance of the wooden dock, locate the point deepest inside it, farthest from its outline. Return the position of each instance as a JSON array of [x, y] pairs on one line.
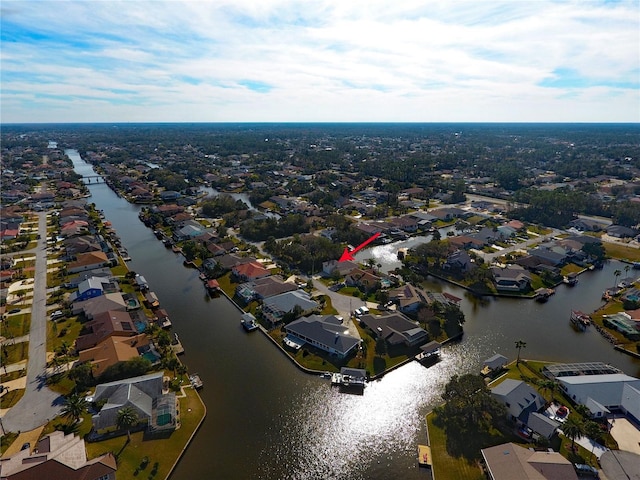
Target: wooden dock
[[424, 456]]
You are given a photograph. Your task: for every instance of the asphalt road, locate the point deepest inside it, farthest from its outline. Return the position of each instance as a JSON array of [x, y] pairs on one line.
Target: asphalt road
[[39, 404]]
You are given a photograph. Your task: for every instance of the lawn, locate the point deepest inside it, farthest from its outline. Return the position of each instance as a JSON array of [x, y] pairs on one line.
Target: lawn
[[11, 398], [65, 330], [15, 353], [622, 252], [446, 466], [164, 451], [16, 325], [571, 268]]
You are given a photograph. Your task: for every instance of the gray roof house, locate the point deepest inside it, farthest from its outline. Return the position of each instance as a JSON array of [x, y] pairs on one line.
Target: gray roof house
[[395, 329], [512, 278], [325, 332], [276, 307], [510, 462], [262, 288], [143, 394], [542, 425], [520, 399]]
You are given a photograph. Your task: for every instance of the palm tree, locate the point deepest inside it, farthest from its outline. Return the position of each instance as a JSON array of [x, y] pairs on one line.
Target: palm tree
[[74, 406], [593, 431], [520, 345], [572, 429], [549, 385], [617, 273], [127, 418]]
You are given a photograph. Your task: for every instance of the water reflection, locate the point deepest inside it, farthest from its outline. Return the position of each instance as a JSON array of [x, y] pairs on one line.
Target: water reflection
[[268, 420]]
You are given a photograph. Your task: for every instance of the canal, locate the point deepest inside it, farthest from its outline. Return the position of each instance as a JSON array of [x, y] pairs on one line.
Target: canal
[[267, 420]]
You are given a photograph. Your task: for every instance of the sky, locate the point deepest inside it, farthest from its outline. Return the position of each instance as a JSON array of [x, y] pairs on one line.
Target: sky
[[319, 61]]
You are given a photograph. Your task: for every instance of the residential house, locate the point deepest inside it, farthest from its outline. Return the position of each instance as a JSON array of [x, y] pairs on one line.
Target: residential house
[[587, 225], [604, 393], [395, 328], [494, 364], [548, 256], [449, 213], [512, 278], [75, 227], [250, 271], [520, 399], [92, 287], [513, 462], [114, 349], [325, 332], [104, 325], [96, 305], [144, 394], [88, 261], [262, 288], [342, 268], [543, 425], [620, 231], [363, 279], [408, 298], [58, 456], [459, 261], [276, 307]]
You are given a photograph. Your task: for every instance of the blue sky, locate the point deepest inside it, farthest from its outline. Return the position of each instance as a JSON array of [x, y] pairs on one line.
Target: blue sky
[[320, 60]]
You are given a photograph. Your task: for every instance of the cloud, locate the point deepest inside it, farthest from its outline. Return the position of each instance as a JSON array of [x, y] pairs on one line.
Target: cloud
[[324, 60]]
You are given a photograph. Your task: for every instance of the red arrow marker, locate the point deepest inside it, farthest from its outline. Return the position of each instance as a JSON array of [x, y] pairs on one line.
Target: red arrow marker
[[348, 255]]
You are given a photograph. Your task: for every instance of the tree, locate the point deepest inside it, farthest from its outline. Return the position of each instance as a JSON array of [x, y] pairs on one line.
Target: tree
[[593, 431], [549, 385], [469, 406], [519, 346], [616, 274], [572, 429], [74, 406], [127, 418]]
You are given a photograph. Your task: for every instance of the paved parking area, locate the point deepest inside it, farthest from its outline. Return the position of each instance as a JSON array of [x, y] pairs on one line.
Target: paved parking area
[[626, 434]]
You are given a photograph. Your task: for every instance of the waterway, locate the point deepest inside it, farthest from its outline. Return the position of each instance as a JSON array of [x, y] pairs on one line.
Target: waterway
[[268, 420]]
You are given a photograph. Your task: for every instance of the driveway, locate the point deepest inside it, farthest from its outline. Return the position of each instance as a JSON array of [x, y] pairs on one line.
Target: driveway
[[344, 304], [39, 404]]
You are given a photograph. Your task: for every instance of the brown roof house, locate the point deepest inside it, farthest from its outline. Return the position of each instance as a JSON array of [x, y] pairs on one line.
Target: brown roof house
[[510, 462], [88, 261], [104, 325], [58, 457], [116, 349]]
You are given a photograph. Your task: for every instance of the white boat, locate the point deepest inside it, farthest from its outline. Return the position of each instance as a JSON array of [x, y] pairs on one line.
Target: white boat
[[580, 320], [249, 322]]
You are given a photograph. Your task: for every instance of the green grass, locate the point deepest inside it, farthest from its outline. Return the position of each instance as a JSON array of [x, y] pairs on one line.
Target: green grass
[[446, 466], [6, 440], [73, 327], [11, 398], [165, 451], [570, 268], [15, 353], [16, 325], [622, 252]]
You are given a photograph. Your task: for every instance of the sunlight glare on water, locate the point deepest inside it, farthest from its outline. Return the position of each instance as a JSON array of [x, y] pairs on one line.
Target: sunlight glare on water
[[339, 432]]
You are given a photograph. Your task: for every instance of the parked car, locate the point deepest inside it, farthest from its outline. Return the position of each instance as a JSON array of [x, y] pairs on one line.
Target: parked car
[[25, 446], [584, 470], [14, 310], [57, 314]]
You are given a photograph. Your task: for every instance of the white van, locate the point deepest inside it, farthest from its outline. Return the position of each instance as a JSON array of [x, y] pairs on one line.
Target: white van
[[361, 311]]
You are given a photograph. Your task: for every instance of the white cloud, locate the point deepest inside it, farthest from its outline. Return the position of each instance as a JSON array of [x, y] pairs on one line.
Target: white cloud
[[326, 60]]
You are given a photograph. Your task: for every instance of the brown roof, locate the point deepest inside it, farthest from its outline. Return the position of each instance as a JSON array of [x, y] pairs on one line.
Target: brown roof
[[104, 325], [510, 461], [54, 470], [113, 350]]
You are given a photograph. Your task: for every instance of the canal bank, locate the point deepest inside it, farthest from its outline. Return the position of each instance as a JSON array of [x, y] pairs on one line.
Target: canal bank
[[268, 420]]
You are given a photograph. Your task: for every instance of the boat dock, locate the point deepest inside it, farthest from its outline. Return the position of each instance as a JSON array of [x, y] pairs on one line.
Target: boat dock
[[176, 346], [543, 294], [196, 382], [350, 377], [430, 352], [424, 456]]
